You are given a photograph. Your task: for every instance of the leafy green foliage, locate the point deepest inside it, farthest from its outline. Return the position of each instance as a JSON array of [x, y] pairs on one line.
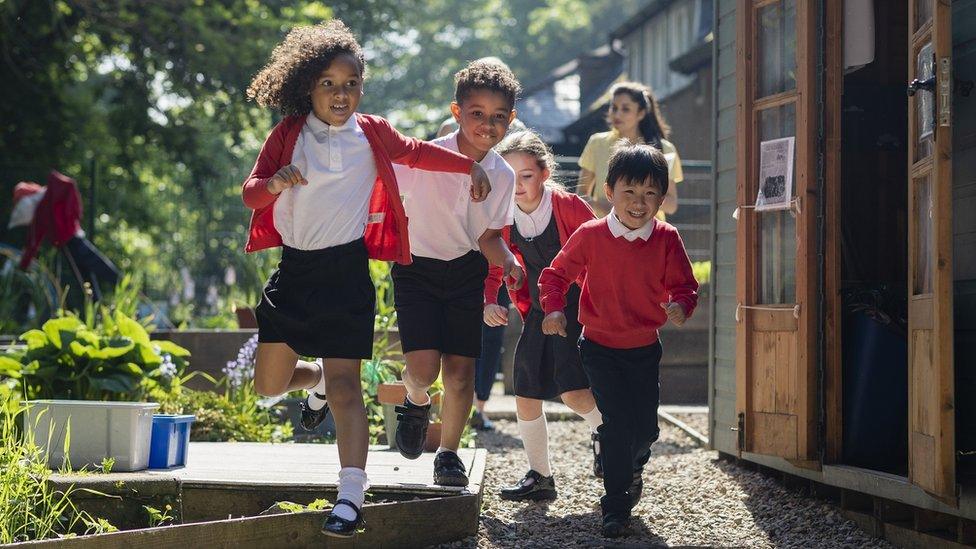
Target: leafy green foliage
[[111, 360], [220, 418]]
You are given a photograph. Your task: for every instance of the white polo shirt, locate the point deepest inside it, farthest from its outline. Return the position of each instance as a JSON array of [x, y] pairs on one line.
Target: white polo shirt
[[618, 229], [444, 223], [331, 210]]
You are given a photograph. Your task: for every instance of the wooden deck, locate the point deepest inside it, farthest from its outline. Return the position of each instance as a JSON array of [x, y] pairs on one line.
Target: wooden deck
[[238, 481]]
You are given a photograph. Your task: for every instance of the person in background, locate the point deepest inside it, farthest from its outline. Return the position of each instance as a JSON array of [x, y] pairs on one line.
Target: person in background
[[634, 116]]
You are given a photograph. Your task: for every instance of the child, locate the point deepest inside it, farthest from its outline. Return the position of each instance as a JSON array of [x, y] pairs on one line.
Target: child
[[545, 366], [439, 297], [323, 188], [638, 277], [635, 116]]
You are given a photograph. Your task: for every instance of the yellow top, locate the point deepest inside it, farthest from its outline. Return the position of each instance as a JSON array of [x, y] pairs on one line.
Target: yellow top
[[596, 155]]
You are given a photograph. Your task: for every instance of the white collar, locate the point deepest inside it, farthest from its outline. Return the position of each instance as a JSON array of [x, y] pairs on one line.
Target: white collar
[[618, 229], [319, 127], [531, 225], [451, 142]]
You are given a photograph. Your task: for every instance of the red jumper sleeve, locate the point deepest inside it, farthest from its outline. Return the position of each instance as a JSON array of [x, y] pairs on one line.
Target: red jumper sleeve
[[679, 280], [565, 268]]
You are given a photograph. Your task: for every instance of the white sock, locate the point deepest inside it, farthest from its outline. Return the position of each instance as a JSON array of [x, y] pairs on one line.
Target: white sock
[[352, 486], [443, 449], [593, 418], [535, 440], [315, 402], [415, 404]]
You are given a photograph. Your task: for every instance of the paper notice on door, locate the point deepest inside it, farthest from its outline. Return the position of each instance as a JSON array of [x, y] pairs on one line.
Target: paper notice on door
[[775, 174]]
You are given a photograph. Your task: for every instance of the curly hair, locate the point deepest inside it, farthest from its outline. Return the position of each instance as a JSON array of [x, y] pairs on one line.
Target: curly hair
[[486, 74], [529, 142], [285, 82]]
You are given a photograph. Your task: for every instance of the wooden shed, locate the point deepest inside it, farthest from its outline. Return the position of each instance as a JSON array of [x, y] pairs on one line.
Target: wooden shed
[[843, 333]]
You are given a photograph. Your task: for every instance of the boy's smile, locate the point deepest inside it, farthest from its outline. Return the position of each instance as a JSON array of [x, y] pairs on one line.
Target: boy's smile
[[483, 117], [634, 204], [337, 91]]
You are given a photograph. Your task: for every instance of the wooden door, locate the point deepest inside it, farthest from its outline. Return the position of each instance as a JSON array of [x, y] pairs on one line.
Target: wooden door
[[776, 380], [931, 410]]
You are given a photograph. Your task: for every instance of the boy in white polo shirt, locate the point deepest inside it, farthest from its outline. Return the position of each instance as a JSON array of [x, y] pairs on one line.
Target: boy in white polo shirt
[[440, 296]]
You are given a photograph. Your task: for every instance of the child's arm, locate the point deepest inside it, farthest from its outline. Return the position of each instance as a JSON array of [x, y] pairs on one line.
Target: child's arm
[[493, 246], [679, 282], [415, 153], [555, 280], [494, 314]]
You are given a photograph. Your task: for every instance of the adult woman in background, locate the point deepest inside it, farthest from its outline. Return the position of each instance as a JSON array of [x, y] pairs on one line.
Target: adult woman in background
[[634, 116]]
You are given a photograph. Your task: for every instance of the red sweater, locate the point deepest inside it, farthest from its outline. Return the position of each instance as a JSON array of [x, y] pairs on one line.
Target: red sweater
[[386, 231], [570, 212], [57, 217], [625, 282]]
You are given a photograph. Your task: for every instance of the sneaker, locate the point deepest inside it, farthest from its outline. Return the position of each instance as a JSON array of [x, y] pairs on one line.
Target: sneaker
[[636, 489], [615, 526], [533, 486], [339, 527], [480, 422], [597, 462], [313, 418], [411, 430], [448, 469]]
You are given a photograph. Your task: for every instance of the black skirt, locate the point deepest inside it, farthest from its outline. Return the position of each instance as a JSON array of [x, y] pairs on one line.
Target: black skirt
[[549, 365], [322, 303]]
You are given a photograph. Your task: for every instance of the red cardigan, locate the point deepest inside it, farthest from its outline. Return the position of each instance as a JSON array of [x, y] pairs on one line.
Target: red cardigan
[[57, 217], [625, 285], [570, 212], [386, 229]]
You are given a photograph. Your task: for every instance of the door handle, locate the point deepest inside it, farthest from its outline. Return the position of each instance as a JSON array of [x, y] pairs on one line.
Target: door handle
[[928, 84]]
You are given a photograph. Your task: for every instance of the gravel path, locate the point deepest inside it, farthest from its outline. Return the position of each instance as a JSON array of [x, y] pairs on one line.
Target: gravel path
[[690, 498], [698, 422]]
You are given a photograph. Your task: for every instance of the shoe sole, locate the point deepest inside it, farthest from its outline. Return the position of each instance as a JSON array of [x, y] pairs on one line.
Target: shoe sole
[[535, 496], [451, 481], [332, 534]]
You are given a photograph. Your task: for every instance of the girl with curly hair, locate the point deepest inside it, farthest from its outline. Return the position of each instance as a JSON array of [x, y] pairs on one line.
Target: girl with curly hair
[[323, 188]]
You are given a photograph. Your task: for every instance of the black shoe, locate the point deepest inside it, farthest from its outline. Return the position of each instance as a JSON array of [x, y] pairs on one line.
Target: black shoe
[[339, 527], [615, 526], [411, 430], [636, 489], [480, 422], [313, 418], [533, 486], [597, 462], [448, 469]]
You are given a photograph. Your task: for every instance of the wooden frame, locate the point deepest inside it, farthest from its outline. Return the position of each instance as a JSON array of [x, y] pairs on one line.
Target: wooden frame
[[931, 415], [790, 435]]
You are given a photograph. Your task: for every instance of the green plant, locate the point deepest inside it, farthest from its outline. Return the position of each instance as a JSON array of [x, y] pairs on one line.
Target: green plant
[[32, 509], [702, 271], [159, 517], [27, 298], [112, 358], [107, 464], [219, 417]]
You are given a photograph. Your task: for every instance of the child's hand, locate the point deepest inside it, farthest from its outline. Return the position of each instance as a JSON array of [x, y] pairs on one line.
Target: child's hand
[[286, 178], [480, 186], [554, 324], [676, 313], [496, 315], [514, 275]]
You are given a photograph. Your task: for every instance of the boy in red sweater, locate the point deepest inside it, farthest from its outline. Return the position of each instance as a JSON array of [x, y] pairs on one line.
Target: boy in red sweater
[[637, 277]]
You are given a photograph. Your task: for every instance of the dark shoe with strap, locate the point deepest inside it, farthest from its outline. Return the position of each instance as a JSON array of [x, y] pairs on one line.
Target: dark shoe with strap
[[313, 418], [411, 430], [615, 526], [449, 470], [597, 462], [479, 421], [339, 527], [636, 489], [532, 487]]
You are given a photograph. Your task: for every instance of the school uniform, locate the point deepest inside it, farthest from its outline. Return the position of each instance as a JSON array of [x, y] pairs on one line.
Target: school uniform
[[438, 297], [321, 300], [545, 366], [629, 273]]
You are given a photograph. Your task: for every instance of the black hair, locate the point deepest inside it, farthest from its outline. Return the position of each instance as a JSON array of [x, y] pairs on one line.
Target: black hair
[[285, 82], [636, 164], [653, 128], [486, 74]]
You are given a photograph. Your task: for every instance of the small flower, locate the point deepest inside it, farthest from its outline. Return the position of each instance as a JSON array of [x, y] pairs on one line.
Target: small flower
[[167, 368]]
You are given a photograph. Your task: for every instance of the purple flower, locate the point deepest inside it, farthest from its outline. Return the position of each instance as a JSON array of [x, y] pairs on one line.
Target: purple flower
[[242, 369]]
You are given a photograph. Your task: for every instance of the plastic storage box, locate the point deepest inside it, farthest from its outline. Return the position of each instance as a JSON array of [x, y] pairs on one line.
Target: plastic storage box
[[98, 430], [170, 440]]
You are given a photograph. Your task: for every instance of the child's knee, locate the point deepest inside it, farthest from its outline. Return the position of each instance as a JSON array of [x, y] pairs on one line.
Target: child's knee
[[344, 391], [265, 386]]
